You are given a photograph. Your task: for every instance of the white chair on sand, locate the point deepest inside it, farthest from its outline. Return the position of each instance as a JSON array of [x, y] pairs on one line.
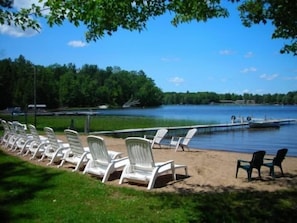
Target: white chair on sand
[[55, 149], [23, 140], [103, 162], [157, 138], [38, 144], [142, 167], [7, 133], [183, 141], [77, 153], [14, 132]]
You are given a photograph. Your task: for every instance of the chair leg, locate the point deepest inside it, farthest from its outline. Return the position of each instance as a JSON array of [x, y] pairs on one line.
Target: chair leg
[[176, 147], [182, 147], [108, 172], [249, 173], [60, 165], [237, 167], [281, 168], [79, 164], [152, 182], [259, 173], [272, 171], [42, 157]]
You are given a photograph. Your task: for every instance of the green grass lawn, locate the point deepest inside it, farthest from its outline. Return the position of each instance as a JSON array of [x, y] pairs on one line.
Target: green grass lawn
[[99, 123], [30, 193]]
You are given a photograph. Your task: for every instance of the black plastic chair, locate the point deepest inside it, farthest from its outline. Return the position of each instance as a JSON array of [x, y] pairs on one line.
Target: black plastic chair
[[276, 161], [255, 163]]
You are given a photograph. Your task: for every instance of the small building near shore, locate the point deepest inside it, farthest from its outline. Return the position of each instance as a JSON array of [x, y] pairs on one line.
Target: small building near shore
[[39, 107]]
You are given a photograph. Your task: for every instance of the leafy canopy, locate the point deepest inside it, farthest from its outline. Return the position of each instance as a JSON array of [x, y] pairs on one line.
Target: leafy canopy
[[103, 17]]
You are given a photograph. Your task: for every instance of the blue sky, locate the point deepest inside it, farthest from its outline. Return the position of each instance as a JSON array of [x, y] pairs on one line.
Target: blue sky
[[220, 55]]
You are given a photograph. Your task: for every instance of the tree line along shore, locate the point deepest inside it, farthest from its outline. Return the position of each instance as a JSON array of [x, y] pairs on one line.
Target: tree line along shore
[[66, 86]]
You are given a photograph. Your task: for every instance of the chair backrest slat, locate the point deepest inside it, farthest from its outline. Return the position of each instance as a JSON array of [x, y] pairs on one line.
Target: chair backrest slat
[[257, 160], [5, 127], [140, 153], [52, 138], [160, 135], [34, 133], [189, 136], [98, 149], [280, 156], [74, 142]]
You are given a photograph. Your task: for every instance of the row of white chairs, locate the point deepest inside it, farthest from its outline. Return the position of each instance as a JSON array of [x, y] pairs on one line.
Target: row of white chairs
[[94, 159]]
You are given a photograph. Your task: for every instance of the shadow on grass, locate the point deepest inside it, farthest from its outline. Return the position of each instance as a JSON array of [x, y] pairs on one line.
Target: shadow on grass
[[19, 183], [237, 206]]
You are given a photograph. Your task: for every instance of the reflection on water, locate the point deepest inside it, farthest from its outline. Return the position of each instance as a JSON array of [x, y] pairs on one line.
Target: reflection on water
[[249, 140], [243, 140]]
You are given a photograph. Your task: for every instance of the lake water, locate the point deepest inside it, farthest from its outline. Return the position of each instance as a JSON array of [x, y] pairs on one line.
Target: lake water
[[241, 140]]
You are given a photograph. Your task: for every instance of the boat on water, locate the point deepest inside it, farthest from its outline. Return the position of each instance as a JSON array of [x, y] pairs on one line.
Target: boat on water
[[264, 123]]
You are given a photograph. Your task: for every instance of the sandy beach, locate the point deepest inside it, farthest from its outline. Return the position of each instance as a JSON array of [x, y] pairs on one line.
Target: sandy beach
[[209, 170]]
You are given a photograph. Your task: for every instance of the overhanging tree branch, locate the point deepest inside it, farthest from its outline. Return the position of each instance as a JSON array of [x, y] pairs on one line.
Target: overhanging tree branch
[[103, 17]]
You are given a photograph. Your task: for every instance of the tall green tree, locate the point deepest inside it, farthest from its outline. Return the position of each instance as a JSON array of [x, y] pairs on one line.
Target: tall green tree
[[23, 86], [6, 83], [69, 91], [103, 17]]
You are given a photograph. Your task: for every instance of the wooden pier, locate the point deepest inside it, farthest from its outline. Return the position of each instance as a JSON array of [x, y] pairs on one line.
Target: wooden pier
[[181, 130]]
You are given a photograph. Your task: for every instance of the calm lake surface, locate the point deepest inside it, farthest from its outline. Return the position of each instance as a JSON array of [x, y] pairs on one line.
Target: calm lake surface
[[240, 140]]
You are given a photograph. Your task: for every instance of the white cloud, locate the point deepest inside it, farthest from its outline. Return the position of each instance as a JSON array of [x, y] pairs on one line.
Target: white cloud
[[17, 31], [77, 43], [226, 52], [268, 77], [177, 80], [18, 4], [249, 55], [249, 69]]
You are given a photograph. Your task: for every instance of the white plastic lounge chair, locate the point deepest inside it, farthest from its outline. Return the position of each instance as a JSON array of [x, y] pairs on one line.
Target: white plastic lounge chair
[[38, 144], [22, 139], [142, 167], [54, 149], [7, 133], [14, 136], [183, 141], [156, 140], [101, 162], [77, 154]]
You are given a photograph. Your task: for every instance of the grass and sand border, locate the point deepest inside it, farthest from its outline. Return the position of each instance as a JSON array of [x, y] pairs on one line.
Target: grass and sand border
[[34, 193]]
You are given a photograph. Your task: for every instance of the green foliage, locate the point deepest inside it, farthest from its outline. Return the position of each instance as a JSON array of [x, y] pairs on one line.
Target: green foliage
[[67, 86], [210, 97], [25, 18], [30, 193], [282, 14], [103, 17]]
